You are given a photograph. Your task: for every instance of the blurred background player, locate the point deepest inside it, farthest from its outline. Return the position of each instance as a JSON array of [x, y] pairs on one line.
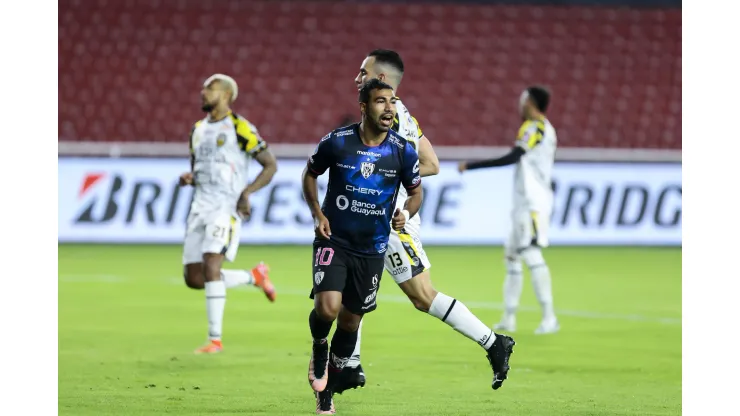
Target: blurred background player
[[367, 164], [534, 156], [221, 146], [405, 259]]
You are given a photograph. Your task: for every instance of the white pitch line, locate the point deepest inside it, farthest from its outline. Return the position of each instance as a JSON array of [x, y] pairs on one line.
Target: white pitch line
[[401, 300]]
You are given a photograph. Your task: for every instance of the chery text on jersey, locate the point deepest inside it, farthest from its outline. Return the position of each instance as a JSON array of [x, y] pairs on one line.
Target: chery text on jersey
[[363, 186]]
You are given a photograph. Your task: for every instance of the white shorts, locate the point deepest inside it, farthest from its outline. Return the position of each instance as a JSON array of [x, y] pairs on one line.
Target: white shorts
[[216, 232], [405, 257], [528, 228]]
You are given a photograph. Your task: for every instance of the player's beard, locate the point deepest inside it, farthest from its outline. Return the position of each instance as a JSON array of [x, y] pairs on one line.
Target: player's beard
[[378, 123], [208, 107]]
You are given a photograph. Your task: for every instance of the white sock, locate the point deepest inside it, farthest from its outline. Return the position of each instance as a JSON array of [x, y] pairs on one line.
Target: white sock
[[215, 303], [233, 278], [513, 286], [354, 360], [541, 280], [455, 314], [543, 290]]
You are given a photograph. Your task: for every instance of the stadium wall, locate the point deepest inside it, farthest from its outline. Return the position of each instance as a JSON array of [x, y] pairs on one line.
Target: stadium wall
[[137, 200]]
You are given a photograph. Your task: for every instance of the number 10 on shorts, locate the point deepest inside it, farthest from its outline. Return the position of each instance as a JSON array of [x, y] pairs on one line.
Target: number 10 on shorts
[[324, 256]]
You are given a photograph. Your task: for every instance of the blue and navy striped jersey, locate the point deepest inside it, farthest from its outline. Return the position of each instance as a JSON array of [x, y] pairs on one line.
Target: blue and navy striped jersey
[[363, 185]]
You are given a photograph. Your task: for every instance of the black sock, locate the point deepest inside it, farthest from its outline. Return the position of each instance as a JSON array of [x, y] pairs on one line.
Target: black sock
[[342, 347], [319, 328]]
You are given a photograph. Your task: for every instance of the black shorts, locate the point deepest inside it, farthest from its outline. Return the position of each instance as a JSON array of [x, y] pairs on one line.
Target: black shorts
[[337, 270]]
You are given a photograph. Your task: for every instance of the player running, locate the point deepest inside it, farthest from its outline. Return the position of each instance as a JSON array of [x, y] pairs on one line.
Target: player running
[[405, 258], [534, 156], [221, 146], [367, 164]]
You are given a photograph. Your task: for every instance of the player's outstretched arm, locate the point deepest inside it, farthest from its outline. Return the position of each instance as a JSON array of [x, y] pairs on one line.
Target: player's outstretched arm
[[428, 160], [510, 158], [269, 167]]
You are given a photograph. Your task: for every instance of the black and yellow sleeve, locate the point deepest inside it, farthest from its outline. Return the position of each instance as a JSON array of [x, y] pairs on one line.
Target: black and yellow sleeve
[[530, 134], [248, 136]]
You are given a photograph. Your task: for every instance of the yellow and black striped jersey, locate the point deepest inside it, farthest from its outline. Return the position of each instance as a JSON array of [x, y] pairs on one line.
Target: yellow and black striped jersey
[[533, 173]]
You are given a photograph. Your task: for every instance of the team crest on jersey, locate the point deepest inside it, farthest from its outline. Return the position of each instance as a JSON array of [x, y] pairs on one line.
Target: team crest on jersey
[[367, 169], [318, 277], [221, 139]]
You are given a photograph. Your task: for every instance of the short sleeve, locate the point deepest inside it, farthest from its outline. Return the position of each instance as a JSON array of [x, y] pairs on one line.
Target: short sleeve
[[530, 134], [249, 137], [418, 128], [410, 176], [320, 160]]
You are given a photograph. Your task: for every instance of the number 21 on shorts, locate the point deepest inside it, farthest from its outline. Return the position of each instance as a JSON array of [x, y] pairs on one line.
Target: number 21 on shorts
[[324, 256]]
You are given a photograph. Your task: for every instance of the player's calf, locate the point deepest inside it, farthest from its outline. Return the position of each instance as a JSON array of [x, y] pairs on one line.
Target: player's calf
[[420, 291], [542, 284]]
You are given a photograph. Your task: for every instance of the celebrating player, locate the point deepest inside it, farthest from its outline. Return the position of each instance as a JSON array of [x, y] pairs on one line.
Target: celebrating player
[[534, 155], [221, 146], [405, 258], [367, 163]]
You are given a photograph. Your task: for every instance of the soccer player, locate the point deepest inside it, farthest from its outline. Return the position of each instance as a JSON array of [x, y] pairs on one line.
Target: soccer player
[[367, 164], [221, 146], [534, 156], [405, 258]]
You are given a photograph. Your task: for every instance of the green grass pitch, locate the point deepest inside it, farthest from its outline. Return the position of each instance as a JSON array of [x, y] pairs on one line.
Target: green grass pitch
[[128, 326]]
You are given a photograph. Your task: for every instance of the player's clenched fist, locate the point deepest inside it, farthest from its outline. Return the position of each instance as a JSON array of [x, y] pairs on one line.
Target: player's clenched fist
[[321, 227], [399, 219], [243, 207], [186, 179]]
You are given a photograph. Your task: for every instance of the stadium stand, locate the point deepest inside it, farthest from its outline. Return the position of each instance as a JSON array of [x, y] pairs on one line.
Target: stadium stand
[[615, 73]]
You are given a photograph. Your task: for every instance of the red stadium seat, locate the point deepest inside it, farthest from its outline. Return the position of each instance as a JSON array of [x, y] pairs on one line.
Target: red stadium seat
[[132, 70]]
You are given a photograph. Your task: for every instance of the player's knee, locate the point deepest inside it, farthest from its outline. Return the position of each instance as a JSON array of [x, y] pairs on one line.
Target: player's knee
[[193, 278], [328, 311], [510, 254], [532, 257], [194, 284]]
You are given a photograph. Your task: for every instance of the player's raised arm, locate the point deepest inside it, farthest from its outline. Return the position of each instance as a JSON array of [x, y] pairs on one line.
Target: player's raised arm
[[510, 158], [317, 164], [529, 136]]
